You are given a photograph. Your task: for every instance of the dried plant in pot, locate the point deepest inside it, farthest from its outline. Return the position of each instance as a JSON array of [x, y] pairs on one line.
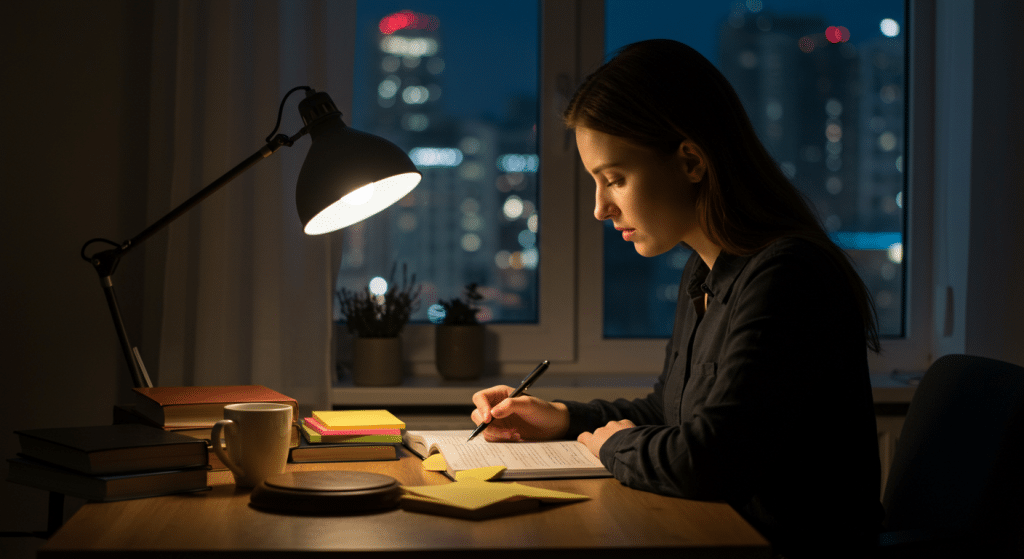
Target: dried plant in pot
[[376, 320], [459, 344]]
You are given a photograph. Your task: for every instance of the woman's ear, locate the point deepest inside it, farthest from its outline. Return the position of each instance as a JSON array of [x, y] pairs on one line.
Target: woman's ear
[[693, 160]]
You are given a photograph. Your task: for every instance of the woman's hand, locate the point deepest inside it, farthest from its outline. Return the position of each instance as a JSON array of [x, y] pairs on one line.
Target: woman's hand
[[594, 441], [523, 418]]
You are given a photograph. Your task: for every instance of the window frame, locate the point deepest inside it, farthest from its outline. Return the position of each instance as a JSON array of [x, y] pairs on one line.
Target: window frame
[[569, 330]]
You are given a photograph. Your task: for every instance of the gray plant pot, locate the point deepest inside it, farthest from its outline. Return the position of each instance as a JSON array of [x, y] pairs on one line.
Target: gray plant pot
[[376, 361], [459, 351]]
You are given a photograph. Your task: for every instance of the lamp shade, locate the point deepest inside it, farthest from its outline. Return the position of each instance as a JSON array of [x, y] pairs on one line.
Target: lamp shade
[[347, 175]]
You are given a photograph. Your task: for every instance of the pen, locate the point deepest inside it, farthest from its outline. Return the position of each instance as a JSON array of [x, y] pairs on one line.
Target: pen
[[529, 380]]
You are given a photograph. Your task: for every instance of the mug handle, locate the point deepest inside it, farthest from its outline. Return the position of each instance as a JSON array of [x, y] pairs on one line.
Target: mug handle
[[218, 447]]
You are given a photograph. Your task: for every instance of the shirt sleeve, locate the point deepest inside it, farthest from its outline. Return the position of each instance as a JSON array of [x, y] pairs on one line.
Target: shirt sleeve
[[641, 411], [746, 400]]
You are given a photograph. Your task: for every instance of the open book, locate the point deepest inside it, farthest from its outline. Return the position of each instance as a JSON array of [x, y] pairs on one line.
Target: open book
[[525, 460]]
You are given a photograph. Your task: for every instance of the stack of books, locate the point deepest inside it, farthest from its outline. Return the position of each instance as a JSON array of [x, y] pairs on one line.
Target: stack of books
[[349, 435], [110, 462], [192, 410]]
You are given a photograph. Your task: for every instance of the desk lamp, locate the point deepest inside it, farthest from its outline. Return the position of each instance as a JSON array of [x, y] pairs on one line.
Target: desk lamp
[[347, 176]]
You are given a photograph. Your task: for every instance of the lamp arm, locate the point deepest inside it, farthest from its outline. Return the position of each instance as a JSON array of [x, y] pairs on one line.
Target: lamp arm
[[105, 262], [276, 143]]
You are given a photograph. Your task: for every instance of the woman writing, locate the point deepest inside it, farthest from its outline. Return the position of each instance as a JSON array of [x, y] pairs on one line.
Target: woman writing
[[764, 400]]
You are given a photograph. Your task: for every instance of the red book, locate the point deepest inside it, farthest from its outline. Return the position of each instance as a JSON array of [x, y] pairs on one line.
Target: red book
[[201, 406]]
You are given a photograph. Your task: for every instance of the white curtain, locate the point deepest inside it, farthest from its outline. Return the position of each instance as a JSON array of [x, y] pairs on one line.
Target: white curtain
[[235, 292]]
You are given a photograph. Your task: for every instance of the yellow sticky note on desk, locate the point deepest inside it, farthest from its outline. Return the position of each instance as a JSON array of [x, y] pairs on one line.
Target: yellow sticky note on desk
[[473, 496]]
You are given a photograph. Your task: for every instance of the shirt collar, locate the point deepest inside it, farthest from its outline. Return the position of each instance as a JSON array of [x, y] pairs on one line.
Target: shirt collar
[[717, 281]]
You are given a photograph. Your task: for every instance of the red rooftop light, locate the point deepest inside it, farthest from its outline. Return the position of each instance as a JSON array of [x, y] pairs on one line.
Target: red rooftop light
[[407, 19], [837, 34]]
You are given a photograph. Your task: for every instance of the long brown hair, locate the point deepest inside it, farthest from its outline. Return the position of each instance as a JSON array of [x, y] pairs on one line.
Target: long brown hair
[[659, 93]]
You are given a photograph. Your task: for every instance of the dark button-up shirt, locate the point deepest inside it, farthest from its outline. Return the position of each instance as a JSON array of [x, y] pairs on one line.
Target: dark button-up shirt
[[764, 401]]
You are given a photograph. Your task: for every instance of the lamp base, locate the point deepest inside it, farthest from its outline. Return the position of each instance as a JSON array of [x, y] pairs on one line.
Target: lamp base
[[334, 492]]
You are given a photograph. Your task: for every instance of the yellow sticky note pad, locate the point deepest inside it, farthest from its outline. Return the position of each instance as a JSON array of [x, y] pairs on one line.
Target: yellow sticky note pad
[[359, 419]]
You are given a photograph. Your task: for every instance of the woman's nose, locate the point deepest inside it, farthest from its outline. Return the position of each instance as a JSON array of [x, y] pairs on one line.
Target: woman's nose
[[603, 207]]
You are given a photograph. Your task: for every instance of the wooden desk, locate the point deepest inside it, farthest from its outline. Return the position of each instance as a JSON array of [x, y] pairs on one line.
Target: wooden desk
[[220, 523]]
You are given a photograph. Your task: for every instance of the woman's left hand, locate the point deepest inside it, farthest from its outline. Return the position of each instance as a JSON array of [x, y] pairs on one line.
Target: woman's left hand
[[595, 440]]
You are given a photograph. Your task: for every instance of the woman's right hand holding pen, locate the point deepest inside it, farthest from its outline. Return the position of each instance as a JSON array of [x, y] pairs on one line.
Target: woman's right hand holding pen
[[523, 418]]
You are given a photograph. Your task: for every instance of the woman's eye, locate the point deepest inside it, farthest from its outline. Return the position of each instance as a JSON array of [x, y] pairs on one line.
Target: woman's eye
[[616, 182]]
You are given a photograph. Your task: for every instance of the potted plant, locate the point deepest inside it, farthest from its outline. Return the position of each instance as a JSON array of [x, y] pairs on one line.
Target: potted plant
[[376, 320], [459, 344]]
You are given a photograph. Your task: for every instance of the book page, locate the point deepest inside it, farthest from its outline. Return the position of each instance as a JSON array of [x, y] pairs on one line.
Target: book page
[[523, 460], [422, 441], [553, 455]]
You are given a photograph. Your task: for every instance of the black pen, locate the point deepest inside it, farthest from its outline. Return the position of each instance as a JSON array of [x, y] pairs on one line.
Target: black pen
[[529, 380]]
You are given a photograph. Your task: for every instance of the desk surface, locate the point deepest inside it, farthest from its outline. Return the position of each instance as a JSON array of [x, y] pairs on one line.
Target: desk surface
[[220, 523]]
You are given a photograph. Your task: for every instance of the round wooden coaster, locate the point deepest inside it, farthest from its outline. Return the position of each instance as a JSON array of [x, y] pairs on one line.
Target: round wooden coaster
[[335, 492]]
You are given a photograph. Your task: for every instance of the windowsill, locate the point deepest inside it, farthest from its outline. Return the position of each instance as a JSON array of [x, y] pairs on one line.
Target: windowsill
[[434, 391]]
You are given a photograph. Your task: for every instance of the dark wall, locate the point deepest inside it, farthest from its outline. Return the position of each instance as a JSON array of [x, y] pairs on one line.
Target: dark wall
[[74, 159], [995, 276]]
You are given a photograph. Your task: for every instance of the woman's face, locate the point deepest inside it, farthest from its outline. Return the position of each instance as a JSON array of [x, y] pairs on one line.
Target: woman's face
[[648, 196]]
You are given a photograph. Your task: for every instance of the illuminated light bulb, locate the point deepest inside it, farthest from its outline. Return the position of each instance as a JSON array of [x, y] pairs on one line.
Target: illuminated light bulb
[[359, 197], [362, 203]]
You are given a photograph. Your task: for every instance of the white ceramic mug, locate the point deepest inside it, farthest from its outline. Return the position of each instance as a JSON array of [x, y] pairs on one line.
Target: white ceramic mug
[[258, 437]]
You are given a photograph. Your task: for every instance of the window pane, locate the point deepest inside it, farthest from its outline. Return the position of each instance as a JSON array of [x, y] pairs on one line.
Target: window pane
[[823, 83], [454, 84]]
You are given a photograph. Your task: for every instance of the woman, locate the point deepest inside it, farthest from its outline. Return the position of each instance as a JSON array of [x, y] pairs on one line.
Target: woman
[[764, 399]]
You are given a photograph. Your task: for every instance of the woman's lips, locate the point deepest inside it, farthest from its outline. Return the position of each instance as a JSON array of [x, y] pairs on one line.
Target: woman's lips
[[627, 234]]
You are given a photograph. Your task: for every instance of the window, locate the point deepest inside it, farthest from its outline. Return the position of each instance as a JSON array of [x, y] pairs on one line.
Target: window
[[457, 84], [438, 79], [505, 202]]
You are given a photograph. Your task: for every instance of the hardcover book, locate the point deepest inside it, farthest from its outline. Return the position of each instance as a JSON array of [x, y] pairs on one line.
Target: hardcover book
[[113, 449], [34, 473], [201, 406]]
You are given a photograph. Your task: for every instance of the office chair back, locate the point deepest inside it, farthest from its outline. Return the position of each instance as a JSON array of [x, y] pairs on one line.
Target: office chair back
[[958, 473]]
